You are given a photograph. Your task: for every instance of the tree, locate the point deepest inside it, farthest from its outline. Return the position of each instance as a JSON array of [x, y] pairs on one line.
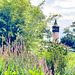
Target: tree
[[73, 26], [47, 33], [68, 39], [19, 17]]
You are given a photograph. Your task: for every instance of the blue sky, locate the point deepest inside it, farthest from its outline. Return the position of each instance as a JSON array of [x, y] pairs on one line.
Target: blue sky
[[64, 7]]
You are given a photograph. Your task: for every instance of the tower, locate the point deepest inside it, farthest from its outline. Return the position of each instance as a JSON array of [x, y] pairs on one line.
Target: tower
[[55, 30]]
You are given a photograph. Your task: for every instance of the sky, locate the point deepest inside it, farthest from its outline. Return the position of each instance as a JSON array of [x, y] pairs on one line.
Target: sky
[[66, 8]]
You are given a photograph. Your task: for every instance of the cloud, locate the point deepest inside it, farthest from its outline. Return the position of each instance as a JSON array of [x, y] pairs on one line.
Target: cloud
[[56, 6], [35, 2], [66, 8], [65, 3]]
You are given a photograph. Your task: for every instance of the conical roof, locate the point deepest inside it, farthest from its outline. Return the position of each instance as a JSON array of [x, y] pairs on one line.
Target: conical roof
[[55, 23]]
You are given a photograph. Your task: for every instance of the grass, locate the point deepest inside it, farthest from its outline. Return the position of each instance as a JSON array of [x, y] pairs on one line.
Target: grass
[[70, 68]]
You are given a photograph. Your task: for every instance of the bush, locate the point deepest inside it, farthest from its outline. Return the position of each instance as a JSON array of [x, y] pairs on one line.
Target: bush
[[55, 56]]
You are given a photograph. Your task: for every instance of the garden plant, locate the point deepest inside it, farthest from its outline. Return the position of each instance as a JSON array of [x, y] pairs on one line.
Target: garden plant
[[23, 50]]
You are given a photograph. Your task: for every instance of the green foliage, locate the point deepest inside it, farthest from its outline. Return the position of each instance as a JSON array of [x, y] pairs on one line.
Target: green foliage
[[56, 57], [35, 71], [70, 68], [2, 65], [68, 39], [8, 25], [47, 33], [21, 17], [73, 26], [52, 60]]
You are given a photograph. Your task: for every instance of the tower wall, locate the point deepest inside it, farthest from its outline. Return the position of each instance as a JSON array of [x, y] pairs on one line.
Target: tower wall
[[55, 30], [55, 36]]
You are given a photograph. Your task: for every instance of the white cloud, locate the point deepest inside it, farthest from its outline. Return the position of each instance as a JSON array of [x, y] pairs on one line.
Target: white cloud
[[61, 7], [35, 2], [53, 7], [68, 18], [65, 4]]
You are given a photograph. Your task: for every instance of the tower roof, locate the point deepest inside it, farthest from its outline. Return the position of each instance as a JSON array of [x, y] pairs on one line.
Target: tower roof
[[55, 23]]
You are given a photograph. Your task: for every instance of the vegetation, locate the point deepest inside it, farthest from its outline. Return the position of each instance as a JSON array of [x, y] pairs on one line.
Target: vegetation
[[21, 18], [73, 26], [23, 50], [15, 59], [69, 38]]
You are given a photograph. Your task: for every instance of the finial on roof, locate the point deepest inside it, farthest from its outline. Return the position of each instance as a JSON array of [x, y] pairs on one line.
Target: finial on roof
[[55, 23]]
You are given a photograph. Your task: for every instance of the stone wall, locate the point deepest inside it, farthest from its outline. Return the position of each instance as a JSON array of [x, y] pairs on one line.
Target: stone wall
[[55, 36]]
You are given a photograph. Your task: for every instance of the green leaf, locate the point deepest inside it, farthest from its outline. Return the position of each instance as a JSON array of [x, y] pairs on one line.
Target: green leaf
[[31, 72], [4, 29]]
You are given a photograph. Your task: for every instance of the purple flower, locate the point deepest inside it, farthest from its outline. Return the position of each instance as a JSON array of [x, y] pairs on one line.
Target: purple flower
[[6, 66], [39, 47], [50, 67], [12, 42], [14, 45], [25, 47], [21, 36], [19, 42], [46, 69], [33, 64], [44, 64], [8, 63], [33, 55], [12, 48], [8, 35], [16, 37], [17, 46], [23, 42], [55, 65], [53, 57], [7, 40], [5, 70], [43, 69], [4, 45], [3, 53], [21, 46], [41, 64], [51, 71], [28, 52], [29, 60]]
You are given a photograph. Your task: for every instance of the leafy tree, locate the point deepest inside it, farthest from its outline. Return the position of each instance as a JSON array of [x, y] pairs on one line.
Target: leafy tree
[[19, 17], [68, 39], [67, 31], [47, 32], [9, 19], [73, 26]]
